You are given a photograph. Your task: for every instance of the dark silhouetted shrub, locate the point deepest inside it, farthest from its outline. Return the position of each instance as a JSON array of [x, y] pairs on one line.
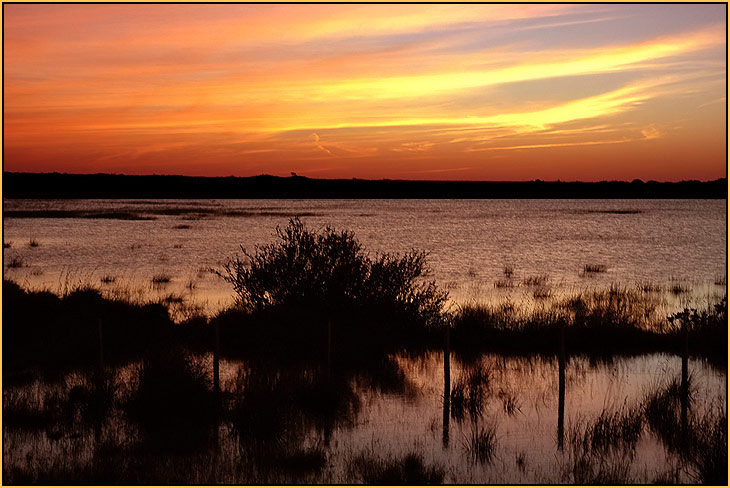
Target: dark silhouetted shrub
[[330, 270]]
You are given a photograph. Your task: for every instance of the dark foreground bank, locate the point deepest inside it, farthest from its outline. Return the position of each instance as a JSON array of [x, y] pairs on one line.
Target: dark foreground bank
[[57, 185]]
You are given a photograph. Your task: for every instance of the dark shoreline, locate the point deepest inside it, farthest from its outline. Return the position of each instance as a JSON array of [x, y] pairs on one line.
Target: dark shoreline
[[69, 186]]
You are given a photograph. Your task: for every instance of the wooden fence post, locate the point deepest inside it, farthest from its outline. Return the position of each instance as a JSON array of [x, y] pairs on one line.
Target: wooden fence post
[[447, 387], [101, 347], [561, 389], [216, 355]]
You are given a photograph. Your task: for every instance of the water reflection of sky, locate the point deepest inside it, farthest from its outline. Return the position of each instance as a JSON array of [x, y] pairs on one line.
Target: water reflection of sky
[[396, 420], [470, 242], [411, 420]]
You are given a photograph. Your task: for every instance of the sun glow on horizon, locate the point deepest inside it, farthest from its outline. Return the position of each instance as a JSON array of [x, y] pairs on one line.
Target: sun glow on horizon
[[487, 92]]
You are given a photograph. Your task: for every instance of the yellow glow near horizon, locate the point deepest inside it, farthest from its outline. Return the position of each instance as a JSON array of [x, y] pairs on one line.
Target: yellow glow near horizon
[[367, 90]]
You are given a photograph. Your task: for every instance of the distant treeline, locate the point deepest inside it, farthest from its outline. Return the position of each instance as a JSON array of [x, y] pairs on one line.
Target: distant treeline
[[61, 185]]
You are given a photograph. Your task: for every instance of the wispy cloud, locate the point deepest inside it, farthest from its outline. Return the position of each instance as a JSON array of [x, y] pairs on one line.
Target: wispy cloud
[[241, 88]]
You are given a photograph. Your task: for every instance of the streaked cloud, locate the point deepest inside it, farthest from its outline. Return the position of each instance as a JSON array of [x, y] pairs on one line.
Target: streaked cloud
[[366, 90]]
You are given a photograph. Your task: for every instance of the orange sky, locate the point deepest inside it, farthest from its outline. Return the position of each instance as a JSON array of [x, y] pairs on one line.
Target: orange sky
[[476, 92]]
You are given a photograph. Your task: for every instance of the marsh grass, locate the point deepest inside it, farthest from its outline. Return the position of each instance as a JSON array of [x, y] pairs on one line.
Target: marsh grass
[[173, 402], [16, 262], [470, 392], [55, 332], [541, 293], [678, 289], [605, 321], [700, 439], [161, 279], [409, 469], [151, 212], [602, 451], [508, 283], [510, 402], [649, 287], [75, 214], [594, 268], [33, 243], [481, 444], [537, 280]]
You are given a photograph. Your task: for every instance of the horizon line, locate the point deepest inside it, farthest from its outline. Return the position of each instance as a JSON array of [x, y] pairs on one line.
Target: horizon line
[[294, 175]]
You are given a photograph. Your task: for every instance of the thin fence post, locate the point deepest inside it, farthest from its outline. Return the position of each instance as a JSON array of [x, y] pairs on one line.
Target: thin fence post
[[447, 387], [685, 380], [101, 347], [99, 384], [329, 349], [561, 389], [216, 366]]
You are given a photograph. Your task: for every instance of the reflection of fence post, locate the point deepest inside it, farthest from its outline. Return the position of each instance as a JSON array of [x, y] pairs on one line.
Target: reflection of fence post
[[685, 380], [216, 357], [561, 388], [100, 380], [101, 348], [329, 349], [447, 387]]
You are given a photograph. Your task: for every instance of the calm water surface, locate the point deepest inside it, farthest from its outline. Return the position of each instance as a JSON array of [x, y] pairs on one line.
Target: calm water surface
[[662, 242], [470, 242], [410, 418]]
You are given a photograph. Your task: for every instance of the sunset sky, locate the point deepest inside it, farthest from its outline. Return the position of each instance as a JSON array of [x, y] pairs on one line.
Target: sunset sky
[[473, 92]]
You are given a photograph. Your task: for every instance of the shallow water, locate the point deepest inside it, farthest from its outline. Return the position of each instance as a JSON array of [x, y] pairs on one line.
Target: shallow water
[[664, 242], [410, 418]]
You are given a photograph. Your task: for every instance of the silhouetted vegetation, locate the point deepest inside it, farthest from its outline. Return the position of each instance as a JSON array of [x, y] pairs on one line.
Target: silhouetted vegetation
[[16, 262], [173, 402], [310, 285], [161, 279], [408, 470], [482, 444], [55, 185], [612, 321], [41, 329]]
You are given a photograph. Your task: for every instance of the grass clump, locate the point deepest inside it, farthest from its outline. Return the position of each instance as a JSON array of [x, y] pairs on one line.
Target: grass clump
[[16, 262], [594, 268], [7, 245], [602, 451], [678, 289], [537, 280], [699, 438], [161, 279], [407, 470], [33, 243], [107, 279], [470, 392], [508, 283], [482, 444]]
